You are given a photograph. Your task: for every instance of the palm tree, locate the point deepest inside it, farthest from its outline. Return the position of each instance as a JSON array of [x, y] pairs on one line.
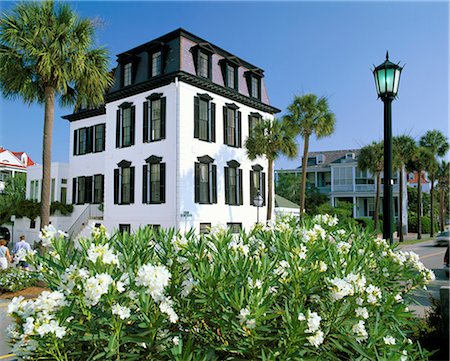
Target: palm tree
[[443, 178], [270, 138], [46, 52], [437, 145], [371, 159], [308, 115], [419, 163], [404, 148]]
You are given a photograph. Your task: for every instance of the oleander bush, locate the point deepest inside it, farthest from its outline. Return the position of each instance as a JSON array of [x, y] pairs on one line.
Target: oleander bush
[[309, 291], [16, 279]]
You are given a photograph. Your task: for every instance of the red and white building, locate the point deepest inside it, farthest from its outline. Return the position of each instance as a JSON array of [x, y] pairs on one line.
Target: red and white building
[[12, 163]]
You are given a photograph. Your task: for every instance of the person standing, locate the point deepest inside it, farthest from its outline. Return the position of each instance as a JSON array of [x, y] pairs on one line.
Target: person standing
[[5, 257], [21, 248]]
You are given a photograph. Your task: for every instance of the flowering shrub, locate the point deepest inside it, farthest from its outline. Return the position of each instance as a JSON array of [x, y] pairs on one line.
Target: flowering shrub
[[312, 291], [15, 279]]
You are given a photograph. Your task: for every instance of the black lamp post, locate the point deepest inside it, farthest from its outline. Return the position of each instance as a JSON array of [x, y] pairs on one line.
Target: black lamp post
[[387, 78], [258, 202]]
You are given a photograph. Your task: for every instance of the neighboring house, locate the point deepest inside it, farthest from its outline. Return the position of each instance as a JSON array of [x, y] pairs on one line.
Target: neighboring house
[[336, 174], [284, 206], [167, 147], [12, 163], [424, 181]]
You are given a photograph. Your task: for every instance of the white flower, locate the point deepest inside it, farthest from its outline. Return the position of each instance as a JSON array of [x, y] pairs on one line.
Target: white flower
[[176, 340], [254, 284], [340, 288], [360, 331], [301, 317], [97, 232], [47, 234], [238, 245], [251, 323], [122, 311], [362, 312], [398, 297], [281, 270], [313, 322], [243, 313], [15, 304], [373, 294], [343, 247], [326, 219], [102, 252], [404, 356], [156, 278], [359, 301], [188, 284], [389, 340], [322, 266], [316, 339], [166, 307], [51, 327], [95, 287]]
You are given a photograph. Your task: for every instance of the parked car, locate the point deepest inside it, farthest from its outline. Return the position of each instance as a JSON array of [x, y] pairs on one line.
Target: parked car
[[443, 238], [446, 265], [4, 233]]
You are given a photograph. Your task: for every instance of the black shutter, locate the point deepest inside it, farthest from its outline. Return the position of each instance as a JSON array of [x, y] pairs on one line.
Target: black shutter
[[81, 184], [133, 124], [163, 118], [249, 124], [116, 186], [75, 142], [145, 122], [74, 191], [197, 182], [263, 187], [213, 122], [102, 188], [89, 139], [144, 183], [239, 129], [241, 200], [225, 125], [252, 190], [214, 182], [196, 117], [227, 200], [162, 182], [103, 136], [118, 128], [131, 184], [87, 189], [210, 66]]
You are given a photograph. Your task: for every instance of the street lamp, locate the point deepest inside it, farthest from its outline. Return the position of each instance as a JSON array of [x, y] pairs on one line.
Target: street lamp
[[387, 78], [258, 202]]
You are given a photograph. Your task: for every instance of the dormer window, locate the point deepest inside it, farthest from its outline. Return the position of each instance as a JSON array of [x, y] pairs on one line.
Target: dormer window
[[255, 87], [350, 156], [127, 74], [156, 64], [203, 65]]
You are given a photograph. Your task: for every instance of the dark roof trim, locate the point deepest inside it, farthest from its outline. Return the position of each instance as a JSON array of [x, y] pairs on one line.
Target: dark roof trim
[[205, 96], [125, 105], [159, 81], [124, 164], [257, 167], [85, 113], [154, 96], [231, 106]]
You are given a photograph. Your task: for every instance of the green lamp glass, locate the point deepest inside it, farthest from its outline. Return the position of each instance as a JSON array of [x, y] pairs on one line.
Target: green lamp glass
[[387, 78]]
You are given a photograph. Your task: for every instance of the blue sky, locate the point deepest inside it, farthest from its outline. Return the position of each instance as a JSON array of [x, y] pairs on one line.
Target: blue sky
[[327, 48]]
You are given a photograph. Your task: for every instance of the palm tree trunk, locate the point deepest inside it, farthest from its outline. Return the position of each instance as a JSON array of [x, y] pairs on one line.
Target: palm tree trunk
[[49, 114], [400, 211], [419, 205], [377, 201], [304, 166], [432, 207], [269, 190]]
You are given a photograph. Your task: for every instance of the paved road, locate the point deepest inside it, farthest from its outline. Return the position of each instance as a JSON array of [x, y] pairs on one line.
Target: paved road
[[433, 258]]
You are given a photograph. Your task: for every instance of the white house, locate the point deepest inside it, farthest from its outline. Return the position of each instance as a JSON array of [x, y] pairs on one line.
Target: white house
[[336, 174], [167, 147], [12, 163]]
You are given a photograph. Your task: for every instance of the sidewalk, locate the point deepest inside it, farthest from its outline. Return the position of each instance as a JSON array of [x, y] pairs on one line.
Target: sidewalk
[[5, 348]]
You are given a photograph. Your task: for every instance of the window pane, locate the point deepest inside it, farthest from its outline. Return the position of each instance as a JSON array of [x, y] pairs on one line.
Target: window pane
[[82, 141], [156, 119], [203, 65], [99, 136], [203, 120], [204, 183], [231, 124], [230, 76], [255, 87], [232, 188], [155, 178], [127, 74], [156, 63], [126, 185], [126, 127]]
